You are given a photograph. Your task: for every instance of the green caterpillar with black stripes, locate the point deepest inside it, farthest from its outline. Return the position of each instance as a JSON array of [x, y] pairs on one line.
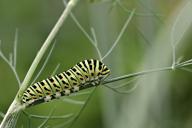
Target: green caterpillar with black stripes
[[85, 74]]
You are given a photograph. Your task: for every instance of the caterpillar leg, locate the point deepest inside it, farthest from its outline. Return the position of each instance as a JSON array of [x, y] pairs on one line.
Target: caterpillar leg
[[66, 92], [75, 88], [47, 98], [57, 95]]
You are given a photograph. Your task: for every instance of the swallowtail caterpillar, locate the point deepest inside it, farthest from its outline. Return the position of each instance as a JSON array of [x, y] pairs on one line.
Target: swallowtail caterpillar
[[83, 75]]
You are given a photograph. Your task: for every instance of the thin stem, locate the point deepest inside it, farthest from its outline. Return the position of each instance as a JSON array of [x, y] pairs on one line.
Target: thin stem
[[173, 48], [143, 36], [71, 101], [135, 74], [11, 66], [53, 117], [93, 41], [184, 65], [180, 14], [45, 63], [120, 34], [174, 42], [11, 59], [64, 124], [115, 90], [55, 70], [15, 49], [173, 53], [118, 87], [80, 26], [45, 117], [187, 69], [122, 92], [46, 120], [125, 83], [151, 11], [136, 13], [179, 60], [96, 43], [82, 108], [185, 62]]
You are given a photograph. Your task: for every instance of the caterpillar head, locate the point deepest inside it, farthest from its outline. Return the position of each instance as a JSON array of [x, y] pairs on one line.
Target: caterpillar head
[[104, 73]]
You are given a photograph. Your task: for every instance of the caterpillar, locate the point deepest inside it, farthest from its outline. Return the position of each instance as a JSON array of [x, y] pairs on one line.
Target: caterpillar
[[84, 74]]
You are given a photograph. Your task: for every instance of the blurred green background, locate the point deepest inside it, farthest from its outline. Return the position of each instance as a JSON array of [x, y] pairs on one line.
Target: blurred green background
[[161, 100]]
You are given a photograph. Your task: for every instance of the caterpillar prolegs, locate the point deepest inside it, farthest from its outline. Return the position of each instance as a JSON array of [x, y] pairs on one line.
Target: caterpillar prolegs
[[83, 75]]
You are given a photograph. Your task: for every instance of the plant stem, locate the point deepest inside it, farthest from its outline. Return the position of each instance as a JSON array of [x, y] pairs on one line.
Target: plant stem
[[15, 49], [120, 34], [15, 106], [135, 74]]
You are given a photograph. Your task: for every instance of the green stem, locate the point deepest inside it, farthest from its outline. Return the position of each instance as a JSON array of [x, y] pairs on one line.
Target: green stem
[[135, 74]]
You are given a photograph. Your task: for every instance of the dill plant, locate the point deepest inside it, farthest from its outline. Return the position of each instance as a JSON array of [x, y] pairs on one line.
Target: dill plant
[[10, 118]]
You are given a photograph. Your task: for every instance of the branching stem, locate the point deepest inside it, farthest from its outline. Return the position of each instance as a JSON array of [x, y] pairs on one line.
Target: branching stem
[[120, 34]]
